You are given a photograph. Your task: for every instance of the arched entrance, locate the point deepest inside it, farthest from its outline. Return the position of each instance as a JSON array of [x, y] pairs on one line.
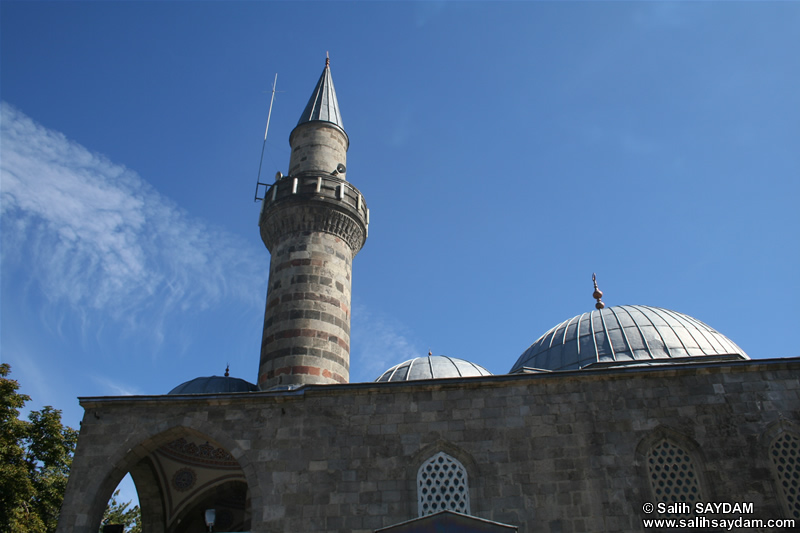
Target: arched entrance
[[182, 478], [178, 474]]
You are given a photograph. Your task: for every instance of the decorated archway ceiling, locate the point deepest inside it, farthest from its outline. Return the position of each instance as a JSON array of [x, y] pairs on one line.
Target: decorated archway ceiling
[[188, 468]]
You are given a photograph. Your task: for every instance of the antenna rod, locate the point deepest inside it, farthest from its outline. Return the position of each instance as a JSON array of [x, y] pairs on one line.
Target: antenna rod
[[266, 131]]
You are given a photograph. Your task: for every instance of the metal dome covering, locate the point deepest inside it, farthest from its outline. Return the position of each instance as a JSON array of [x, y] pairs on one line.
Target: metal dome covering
[[626, 334], [433, 367], [214, 384]]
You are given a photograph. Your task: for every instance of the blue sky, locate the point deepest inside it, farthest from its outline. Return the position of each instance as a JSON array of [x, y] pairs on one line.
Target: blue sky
[[506, 150]]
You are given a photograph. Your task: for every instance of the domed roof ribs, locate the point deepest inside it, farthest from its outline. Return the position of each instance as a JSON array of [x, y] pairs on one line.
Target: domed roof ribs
[[552, 334], [444, 366], [683, 345], [622, 330], [394, 371], [323, 105], [566, 330], [683, 322], [641, 334], [455, 365], [663, 340], [410, 364], [594, 338], [732, 347], [608, 337], [578, 335], [712, 340], [657, 345]]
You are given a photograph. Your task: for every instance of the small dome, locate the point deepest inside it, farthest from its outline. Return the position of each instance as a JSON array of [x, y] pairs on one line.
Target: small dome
[[626, 334], [433, 367], [213, 384]]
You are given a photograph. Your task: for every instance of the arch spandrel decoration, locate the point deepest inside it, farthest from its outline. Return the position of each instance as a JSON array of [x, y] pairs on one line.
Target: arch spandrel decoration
[[784, 453], [442, 484]]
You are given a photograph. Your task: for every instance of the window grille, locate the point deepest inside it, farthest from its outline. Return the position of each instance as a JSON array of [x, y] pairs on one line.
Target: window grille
[[442, 485], [673, 477], [784, 452]]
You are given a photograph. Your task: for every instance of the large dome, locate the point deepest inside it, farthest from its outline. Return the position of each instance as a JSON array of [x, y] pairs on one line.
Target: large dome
[[433, 367], [626, 334], [214, 384]]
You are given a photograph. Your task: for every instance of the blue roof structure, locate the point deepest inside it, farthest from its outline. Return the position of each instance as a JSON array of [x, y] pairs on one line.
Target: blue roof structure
[[214, 384]]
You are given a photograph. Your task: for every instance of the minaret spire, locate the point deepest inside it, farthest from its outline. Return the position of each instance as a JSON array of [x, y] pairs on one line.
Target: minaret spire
[[319, 142], [323, 104]]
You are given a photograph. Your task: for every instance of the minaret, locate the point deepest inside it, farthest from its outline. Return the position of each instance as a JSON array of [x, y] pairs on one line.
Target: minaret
[[313, 222]]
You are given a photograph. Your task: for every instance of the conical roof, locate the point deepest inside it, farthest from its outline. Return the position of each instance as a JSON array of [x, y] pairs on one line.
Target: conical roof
[[323, 105]]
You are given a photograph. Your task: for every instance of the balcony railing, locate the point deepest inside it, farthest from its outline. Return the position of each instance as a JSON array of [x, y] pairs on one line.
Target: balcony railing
[[328, 188]]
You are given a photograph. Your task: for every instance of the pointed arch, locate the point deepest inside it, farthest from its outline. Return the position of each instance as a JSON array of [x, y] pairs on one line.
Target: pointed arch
[[673, 467], [783, 451], [442, 483], [441, 445], [99, 466]]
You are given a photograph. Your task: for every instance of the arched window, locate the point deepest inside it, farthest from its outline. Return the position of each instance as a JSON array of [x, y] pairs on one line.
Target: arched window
[[442, 485], [673, 474], [785, 455]]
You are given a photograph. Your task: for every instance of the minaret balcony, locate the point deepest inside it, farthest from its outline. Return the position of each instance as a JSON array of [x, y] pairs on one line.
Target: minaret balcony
[[306, 198]]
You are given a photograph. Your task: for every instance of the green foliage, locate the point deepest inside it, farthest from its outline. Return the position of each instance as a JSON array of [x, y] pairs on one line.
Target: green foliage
[[118, 513], [35, 457]]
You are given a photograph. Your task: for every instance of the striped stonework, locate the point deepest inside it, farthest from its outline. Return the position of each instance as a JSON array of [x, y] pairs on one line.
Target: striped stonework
[[307, 320]]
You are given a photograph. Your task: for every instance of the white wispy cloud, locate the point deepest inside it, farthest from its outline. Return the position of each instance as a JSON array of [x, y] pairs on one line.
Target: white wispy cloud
[[378, 342], [95, 237], [115, 388]]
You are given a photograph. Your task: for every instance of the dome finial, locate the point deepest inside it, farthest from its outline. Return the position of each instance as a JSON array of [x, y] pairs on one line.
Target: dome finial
[[227, 371], [430, 353], [327, 59], [597, 294]]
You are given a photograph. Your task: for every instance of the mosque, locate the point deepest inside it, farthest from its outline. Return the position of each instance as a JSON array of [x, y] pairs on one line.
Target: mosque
[[610, 419]]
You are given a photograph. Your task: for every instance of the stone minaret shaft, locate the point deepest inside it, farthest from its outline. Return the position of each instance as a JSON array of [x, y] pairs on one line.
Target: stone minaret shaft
[[313, 222]]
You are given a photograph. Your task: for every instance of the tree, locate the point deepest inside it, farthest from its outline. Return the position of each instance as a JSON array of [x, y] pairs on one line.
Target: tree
[[35, 457], [118, 513], [15, 485]]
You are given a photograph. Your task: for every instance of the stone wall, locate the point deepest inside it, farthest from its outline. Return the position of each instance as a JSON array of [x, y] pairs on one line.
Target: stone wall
[[561, 452], [317, 147]]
